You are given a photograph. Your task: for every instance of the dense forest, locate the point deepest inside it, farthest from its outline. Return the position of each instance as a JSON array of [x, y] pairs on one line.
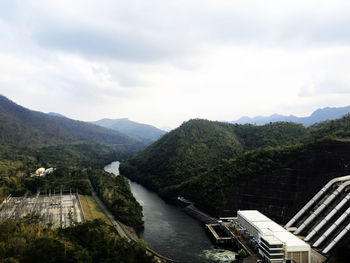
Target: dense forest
[[25, 240], [205, 160], [197, 146], [116, 195]]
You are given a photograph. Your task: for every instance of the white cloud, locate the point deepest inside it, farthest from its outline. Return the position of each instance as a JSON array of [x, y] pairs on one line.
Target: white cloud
[[163, 62]]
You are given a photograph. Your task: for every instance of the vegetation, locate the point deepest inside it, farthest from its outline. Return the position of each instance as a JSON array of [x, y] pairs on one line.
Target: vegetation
[[77, 166], [116, 195], [25, 240], [196, 145], [23, 127], [77, 151], [29, 140], [71, 163], [91, 209], [242, 253], [184, 158], [142, 132], [204, 160], [269, 135]]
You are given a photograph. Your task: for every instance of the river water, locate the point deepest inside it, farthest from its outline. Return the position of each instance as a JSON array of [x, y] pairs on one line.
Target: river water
[[172, 232]]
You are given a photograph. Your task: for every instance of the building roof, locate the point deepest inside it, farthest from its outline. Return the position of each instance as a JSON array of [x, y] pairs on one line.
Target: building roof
[[292, 242], [253, 215], [270, 225], [272, 240], [270, 230]]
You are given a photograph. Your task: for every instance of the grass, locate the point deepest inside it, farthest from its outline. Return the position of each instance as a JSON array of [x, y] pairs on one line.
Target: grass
[[91, 209]]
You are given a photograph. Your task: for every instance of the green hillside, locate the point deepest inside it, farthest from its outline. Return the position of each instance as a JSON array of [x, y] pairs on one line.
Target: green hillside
[[78, 151], [178, 155], [191, 151], [271, 134], [143, 132], [211, 162], [20, 126]]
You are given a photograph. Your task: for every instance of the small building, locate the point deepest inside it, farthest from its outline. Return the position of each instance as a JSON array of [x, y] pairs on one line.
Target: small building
[[40, 171], [48, 171], [275, 244]]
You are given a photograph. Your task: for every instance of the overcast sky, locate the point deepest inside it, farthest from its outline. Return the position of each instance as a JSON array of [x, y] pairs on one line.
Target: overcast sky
[[164, 62]]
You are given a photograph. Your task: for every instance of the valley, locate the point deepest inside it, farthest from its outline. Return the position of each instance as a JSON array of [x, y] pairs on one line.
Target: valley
[[174, 131], [221, 167]]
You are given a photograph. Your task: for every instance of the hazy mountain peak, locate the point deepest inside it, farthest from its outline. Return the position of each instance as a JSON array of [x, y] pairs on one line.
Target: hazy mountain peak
[[323, 114], [21, 126], [56, 114], [143, 132]]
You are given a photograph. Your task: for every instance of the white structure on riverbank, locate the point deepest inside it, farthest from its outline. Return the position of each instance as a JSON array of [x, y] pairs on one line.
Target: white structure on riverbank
[[275, 244]]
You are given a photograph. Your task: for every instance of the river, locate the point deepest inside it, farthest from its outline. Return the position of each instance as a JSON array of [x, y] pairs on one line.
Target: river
[[170, 231]]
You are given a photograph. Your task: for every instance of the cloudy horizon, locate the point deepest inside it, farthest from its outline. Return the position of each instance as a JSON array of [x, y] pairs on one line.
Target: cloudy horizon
[[164, 62]]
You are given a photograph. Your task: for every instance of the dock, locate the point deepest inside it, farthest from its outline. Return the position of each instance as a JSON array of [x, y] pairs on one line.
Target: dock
[[220, 234], [193, 211]]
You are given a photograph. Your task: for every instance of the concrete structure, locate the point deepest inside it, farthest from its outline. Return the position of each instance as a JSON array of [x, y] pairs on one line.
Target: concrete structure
[[49, 171], [275, 244], [59, 208], [220, 234], [325, 219]]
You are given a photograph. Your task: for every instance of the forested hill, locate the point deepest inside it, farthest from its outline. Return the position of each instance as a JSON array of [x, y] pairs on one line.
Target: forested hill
[[198, 145], [20, 126], [224, 167], [143, 132]]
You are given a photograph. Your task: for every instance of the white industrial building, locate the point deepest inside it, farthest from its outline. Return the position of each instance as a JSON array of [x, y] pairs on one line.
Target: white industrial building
[[275, 244]]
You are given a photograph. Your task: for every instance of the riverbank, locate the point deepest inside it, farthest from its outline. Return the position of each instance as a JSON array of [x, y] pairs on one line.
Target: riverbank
[[199, 215], [174, 233], [124, 232]]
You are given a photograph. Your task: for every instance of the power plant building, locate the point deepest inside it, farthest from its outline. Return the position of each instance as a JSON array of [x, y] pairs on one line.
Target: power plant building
[[275, 244]]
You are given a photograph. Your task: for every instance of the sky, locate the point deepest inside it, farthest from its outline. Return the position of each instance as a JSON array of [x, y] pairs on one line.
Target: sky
[[164, 62]]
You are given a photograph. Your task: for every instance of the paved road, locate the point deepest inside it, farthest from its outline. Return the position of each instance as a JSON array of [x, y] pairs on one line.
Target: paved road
[[115, 223], [122, 232]]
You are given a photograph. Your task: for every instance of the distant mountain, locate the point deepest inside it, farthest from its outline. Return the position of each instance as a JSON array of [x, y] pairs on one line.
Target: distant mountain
[[21, 126], [143, 132], [56, 114], [317, 116], [166, 128]]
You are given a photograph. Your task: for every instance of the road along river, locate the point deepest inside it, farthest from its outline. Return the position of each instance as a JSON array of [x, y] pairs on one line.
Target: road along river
[[170, 231]]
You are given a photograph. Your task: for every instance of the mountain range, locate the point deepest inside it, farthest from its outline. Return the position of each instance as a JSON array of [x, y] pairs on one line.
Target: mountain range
[[142, 132], [319, 115], [21, 126], [222, 167]]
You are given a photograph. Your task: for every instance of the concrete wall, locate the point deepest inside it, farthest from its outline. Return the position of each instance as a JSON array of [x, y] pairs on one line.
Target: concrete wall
[[251, 229], [299, 257]]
